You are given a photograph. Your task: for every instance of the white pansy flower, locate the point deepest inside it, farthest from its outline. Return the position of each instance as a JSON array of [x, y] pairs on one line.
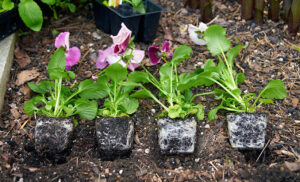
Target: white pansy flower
[[196, 33]]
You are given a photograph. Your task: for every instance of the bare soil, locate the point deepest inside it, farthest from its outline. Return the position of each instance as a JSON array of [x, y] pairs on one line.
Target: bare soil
[[268, 56]]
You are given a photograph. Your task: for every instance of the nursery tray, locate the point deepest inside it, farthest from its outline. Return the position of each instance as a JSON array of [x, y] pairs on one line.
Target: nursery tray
[[9, 22], [143, 26]]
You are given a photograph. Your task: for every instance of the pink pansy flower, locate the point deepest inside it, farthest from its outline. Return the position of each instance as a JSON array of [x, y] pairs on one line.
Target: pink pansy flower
[[196, 33], [95, 78], [72, 54], [155, 54], [121, 41], [108, 57]]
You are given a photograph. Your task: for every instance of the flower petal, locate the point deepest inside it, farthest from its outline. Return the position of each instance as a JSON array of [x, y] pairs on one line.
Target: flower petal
[[166, 46], [95, 78], [202, 27], [120, 41], [133, 66], [152, 51], [194, 36], [72, 57], [138, 56], [101, 61], [63, 40]]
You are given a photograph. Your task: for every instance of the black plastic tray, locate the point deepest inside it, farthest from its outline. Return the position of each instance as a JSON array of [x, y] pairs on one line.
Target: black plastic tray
[[9, 22], [143, 26]]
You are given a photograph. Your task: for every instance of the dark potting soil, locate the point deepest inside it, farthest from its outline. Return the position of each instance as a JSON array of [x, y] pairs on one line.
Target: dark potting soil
[[267, 57], [114, 136], [53, 136]]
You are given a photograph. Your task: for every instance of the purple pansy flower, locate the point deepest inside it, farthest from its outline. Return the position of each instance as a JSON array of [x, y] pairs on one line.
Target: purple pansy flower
[[72, 54], [95, 78], [156, 54], [121, 41]]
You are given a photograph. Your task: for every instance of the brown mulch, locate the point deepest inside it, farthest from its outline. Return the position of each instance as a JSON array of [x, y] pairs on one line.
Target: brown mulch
[[268, 56]]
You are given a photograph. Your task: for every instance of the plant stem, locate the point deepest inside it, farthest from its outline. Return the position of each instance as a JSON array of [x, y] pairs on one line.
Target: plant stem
[[155, 99], [201, 94], [206, 10], [294, 19], [58, 91]]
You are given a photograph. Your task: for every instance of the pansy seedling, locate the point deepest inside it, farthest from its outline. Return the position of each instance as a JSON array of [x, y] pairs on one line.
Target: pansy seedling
[[178, 97], [57, 99], [227, 79], [196, 33]]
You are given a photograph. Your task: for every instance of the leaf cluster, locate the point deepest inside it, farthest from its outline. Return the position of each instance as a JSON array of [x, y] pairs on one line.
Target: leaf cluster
[[177, 98], [228, 79], [58, 100]]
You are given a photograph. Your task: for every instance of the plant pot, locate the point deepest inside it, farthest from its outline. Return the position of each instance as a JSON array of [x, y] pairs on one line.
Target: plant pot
[[114, 136], [247, 130], [177, 136], [9, 22], [143, 26], [53, 135]]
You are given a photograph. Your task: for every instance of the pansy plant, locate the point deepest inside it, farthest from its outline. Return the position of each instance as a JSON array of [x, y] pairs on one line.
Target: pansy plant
[[114, 62], [228, 79], [56, 99], [177, 100]]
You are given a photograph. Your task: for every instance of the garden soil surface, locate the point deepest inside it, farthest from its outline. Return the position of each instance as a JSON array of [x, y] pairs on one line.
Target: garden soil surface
[[268, 56]]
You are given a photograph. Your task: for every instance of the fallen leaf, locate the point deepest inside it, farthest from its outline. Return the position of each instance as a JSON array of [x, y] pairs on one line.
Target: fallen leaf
[[26, 91], [22, 57], [32, 169], [292, 166], [26, 76], [15, 113], [4, 157], [168, 36], [295, 102]]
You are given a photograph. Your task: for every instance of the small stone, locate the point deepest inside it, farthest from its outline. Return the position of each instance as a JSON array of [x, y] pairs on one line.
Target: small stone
[[147, 151], [153, 111], [207, 126], [177, 135], [52, 135], [96, 36], [121, 171], [197, 159], [247, 130]]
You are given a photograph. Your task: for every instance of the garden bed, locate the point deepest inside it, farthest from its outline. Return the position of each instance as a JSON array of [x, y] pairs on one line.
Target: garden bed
[[267, 57]]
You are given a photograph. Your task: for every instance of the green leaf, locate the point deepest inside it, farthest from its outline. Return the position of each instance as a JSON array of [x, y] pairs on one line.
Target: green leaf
[[86, 109], [275, 89], [42, 87], [174, 111], [209, 64], [116, 72], [266, 101], [165, 71], [93, 90], [7, 5], [198, 80], [138, 77], [141, 94], [200, 112], [212, 113], [232, 53], [49, 2], [31, 14], [30, 106], [57, 73], [216, 40], [72, 7], [181, 53], [57, 60], [71, 74], [240, 78], [129, 105]]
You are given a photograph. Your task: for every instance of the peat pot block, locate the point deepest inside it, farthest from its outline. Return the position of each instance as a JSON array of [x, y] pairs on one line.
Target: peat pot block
[[247, 130], [52, 135], [177, 136], [114, 135]]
